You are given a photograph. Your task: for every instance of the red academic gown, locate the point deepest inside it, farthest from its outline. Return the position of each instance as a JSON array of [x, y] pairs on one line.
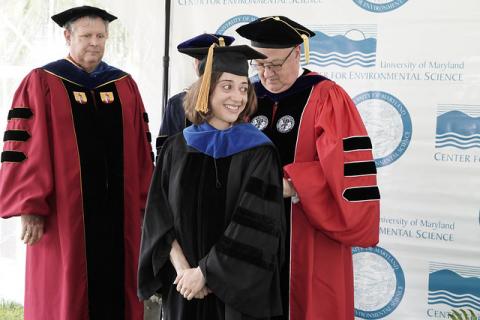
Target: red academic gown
[[334, 175], [80, 157]]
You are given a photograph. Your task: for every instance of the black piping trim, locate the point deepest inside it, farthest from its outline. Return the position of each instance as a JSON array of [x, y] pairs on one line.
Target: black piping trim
[[20, 113], [255, 221], [13, 156], [360, 168], [16, 135], [244, 252], [357, 143], [365, 193]]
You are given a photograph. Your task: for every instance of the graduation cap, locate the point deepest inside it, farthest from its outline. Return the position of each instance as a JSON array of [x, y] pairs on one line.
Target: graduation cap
[[75, 13], [232, 59], [277, 32], [205, 40]]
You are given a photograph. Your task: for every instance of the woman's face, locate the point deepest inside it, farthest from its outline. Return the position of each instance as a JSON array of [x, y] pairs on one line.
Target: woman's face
[[228, 100]]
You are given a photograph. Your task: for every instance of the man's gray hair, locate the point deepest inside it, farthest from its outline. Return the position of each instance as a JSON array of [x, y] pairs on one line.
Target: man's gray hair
[[68, 24]]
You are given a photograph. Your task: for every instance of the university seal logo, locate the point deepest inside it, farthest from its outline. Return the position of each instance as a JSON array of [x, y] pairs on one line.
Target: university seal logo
[[229, 26], [388, 124], [379, 6], [379, 282], [285, 124], [260, 122]]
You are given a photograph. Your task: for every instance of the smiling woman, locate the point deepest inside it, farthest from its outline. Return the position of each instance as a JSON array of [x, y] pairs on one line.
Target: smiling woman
[[214, 224]]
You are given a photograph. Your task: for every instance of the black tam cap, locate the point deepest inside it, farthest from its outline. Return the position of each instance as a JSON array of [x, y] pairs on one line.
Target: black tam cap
[[205, 40], [232, 59], [78, 12], [277, 32], [274, 32]]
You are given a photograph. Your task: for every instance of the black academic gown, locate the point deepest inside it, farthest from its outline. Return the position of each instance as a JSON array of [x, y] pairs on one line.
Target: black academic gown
[[227, 215]]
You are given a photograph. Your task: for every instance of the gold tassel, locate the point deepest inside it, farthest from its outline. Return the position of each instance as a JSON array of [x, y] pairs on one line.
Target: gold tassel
[[306, 48], [202, 99], [221, 42]]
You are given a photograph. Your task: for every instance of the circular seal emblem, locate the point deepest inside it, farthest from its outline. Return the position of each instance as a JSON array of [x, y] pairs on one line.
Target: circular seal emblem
[[379, 6], [237, 20], [379, 282], [285, 124], [388, 124], [260, 122], [228, 28]]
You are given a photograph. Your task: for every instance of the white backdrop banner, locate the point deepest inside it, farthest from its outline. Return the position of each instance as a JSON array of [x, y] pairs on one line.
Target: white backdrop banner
[[413, 70]]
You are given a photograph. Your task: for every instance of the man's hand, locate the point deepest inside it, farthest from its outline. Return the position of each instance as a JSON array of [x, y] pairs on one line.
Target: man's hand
[[190, 282], [288, 189], [32, 228]]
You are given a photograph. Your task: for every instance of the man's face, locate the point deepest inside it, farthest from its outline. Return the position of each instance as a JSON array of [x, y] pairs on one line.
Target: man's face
[[283, 71], [86, 41]]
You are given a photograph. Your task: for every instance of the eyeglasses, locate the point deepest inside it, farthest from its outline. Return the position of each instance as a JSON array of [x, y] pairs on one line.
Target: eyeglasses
[[273, 66]]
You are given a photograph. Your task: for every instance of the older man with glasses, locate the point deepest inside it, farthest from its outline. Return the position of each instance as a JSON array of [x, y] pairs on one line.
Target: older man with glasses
[[330, 187]]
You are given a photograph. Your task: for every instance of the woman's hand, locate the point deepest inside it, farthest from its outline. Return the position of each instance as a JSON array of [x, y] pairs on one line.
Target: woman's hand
[[288, 189], [190, 282]]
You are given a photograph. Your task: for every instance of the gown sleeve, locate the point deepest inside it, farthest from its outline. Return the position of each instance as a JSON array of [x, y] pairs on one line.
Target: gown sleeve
[[26, 179], [243, 267], [157, 233], [338, 192], [173, 119]]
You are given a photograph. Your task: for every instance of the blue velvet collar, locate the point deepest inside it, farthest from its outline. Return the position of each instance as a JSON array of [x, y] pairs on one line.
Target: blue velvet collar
[[306, 80], [102, 74], [224, 143]]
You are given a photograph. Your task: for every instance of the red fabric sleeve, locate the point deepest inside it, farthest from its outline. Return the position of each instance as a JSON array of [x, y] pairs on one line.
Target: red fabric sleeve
[[25, 186], [321, 184]]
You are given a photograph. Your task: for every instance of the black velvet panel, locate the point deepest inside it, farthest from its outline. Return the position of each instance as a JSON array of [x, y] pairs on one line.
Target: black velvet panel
[[20, 113], [290, 107], [16, 135], [357, 143], [13, 156], [260, 189], [255, 221], [359, 168], [159, 142], [243, 252], [99, 132], [362, 193]]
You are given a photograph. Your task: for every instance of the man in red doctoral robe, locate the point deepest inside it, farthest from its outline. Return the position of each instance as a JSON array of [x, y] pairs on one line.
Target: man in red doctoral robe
[[76, 166], [332, 198]]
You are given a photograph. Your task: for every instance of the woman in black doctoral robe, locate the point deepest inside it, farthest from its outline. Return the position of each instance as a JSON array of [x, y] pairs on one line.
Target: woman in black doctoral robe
[[214, 224]]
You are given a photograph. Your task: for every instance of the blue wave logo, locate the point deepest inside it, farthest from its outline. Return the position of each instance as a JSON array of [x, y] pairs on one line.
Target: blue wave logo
[[456, 128], [343, 45], [380, 6], [448, 286]]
